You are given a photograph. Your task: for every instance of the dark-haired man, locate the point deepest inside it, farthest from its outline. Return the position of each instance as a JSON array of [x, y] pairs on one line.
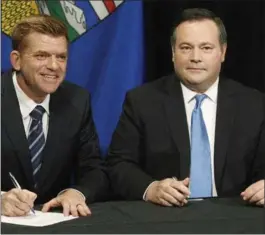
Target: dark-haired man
[[193, 134]]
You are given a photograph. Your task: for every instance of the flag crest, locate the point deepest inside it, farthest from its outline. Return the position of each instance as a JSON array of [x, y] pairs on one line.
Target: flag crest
[[69, 12]]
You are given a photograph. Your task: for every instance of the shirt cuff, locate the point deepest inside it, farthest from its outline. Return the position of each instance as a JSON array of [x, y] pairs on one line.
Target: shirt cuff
[[146, 191], [72, 189], [2, 192]]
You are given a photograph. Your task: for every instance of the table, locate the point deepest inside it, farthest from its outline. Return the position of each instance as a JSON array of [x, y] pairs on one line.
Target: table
[[215, 215]]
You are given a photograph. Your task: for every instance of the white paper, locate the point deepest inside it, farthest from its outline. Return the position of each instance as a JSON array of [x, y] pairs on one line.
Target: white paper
[[40, 219]]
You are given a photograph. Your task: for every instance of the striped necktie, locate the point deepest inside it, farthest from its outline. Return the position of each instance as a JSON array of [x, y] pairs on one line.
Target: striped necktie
[[36, 140]]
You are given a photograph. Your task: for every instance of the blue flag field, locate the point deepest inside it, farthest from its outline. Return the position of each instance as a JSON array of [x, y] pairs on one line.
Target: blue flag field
[[106, 54]]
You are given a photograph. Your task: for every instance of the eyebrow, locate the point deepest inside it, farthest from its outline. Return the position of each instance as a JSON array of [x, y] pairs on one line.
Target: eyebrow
[[201, 44], [206, 43], [45, 52]]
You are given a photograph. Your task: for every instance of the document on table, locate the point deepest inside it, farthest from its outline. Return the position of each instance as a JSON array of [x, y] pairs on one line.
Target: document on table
[[40, 219]]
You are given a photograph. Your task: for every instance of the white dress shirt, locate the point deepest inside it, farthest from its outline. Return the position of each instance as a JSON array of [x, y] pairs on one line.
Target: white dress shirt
[[26, 105], [208, 108], [209, 115]]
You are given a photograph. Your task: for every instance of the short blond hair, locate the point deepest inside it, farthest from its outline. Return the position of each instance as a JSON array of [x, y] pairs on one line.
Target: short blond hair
[[37, 23]]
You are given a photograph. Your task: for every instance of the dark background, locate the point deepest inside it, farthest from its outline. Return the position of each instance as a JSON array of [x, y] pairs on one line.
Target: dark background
[[245, 24]]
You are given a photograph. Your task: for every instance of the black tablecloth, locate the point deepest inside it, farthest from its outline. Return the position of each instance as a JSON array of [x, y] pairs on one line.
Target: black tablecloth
[[219, 215]]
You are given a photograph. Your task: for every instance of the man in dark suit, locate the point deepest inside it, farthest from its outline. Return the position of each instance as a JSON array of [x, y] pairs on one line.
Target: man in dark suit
[[48, 134], [192, 134]]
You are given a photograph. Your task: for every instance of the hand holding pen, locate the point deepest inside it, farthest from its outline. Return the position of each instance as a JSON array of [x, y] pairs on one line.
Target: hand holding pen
[[17, 201], [168, 192], [185, 193], [187, 183]]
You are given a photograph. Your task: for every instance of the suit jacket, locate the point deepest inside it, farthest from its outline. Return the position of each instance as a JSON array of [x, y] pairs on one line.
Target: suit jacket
[[151, 141], [71, 149]]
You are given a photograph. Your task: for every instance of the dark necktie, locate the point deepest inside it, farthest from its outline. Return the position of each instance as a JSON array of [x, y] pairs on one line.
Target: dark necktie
[[36, 140], [200, 172]]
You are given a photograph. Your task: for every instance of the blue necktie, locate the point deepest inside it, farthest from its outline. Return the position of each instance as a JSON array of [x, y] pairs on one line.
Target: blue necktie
[[200, 171], [36, 140]]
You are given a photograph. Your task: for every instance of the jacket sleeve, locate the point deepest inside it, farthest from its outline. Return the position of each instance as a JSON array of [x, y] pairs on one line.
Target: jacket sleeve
[[91, 175], [125, 154]]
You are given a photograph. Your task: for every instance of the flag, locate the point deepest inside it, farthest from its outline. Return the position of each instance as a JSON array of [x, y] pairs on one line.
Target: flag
[[106, 53]]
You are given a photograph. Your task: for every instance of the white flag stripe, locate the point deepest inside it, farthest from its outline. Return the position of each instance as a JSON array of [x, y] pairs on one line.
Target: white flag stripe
[[43, 7], [100, 9], [117, 2]]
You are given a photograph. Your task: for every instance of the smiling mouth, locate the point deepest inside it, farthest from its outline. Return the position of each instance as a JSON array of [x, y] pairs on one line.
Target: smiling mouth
[[49, 78]]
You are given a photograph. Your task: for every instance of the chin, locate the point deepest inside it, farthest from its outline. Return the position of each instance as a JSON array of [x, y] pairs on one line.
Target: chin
[[194, 82], [49, 90], [196, 79]]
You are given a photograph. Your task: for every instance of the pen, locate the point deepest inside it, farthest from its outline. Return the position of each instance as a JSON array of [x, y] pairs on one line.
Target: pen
[[16, 184], [190, 199], [174, 178]]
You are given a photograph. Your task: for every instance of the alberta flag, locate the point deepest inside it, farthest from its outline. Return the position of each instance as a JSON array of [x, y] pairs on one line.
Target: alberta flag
[[106, 50]]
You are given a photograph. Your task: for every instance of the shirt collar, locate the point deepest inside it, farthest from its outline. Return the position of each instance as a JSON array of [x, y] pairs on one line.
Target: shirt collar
[[211, 92], [25, 103]]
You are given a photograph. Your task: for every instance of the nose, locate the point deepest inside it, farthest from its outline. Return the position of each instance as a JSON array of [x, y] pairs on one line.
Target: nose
[[195, 56], [52, 63]]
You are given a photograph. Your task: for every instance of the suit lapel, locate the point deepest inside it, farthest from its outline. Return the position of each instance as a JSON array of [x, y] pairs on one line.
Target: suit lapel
[[51, 157], [225, 114], [12, 122], [176, 117]]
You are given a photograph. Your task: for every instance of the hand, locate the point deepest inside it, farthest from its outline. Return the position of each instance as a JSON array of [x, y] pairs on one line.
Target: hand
[[72, 202], [168, 192], [254, 193], [17, 202]]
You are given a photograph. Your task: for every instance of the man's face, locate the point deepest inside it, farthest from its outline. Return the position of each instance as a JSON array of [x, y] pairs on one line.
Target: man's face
[[41, 64], [197, 54]]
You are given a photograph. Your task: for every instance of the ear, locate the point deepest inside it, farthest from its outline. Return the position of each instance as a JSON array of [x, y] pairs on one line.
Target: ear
[[15, 59], [223, 48], [173, 54]]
